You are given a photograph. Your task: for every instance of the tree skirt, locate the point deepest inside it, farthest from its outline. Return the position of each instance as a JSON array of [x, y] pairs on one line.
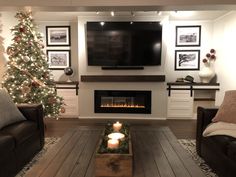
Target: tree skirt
[[49, 143], [190, 146]]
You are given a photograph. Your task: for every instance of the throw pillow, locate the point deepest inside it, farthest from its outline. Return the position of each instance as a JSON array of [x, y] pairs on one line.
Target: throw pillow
[[227, 110], [9, 113], [220, 128]]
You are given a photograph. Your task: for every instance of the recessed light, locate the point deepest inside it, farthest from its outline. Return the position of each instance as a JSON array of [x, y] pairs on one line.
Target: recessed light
[[112, 13], [102, 23]]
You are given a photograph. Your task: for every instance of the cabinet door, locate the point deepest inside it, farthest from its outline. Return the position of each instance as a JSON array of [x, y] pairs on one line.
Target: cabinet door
[[71, 101], [180, 104]]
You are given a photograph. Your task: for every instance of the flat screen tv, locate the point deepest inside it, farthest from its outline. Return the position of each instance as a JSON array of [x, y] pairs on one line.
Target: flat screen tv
[[124, 43]]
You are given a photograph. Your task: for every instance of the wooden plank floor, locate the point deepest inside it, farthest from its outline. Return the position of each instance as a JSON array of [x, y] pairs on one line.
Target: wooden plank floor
[[182, 129], [156, 154]]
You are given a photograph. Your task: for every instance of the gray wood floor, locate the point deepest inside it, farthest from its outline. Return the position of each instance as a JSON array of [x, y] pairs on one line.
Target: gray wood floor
[[182, 129], [156, 153]]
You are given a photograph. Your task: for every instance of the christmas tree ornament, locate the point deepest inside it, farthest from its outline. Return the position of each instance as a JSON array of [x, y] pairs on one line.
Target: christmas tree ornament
[[26, 58], [63, 109], [22, 29], [25, 89], [9, 50], [17, 38]]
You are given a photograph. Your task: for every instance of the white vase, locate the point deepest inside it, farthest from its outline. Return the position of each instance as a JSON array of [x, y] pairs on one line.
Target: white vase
[[206, 73]]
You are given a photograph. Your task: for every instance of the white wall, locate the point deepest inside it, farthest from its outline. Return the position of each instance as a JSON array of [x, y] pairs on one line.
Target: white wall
[[59, 74], [225, 45], [206, 36]]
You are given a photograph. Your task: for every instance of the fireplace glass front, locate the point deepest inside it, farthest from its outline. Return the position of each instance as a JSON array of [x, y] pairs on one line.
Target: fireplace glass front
[[122, 101]]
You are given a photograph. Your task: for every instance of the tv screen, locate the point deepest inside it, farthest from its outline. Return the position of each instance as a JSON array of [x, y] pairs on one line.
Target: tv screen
[[124, 43]]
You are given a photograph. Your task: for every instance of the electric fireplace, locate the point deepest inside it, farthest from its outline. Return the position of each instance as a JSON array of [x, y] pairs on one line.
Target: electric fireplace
[[122, 101]]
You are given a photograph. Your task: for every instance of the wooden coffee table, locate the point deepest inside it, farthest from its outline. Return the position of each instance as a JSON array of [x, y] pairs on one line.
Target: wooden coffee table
[[156, 153]]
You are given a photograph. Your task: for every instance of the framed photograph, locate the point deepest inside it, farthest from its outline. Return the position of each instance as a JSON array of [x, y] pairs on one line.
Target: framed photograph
[[58, 35], [187, 59], [188, 36], [58, 59]]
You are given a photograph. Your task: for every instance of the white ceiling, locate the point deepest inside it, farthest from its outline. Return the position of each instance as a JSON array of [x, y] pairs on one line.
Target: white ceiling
[[71, 16]]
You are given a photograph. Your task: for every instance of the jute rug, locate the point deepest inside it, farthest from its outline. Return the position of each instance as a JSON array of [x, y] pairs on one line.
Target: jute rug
[[49, 143], [190, 146]]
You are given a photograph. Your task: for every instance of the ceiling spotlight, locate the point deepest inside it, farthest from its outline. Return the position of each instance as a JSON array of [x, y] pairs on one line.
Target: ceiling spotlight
[[112, 13], [182, 13], [158, 12], [132, 13], [102, 23], [97, 12]]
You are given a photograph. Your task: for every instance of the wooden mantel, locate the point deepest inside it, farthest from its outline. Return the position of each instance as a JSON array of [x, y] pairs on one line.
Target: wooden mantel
[[122, 78]]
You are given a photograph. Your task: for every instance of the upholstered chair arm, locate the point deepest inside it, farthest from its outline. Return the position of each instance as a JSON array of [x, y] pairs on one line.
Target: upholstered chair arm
[[204, 117], [34, 112]]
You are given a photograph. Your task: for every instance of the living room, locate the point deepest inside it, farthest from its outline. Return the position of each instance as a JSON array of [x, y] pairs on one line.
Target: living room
[[216, 32]]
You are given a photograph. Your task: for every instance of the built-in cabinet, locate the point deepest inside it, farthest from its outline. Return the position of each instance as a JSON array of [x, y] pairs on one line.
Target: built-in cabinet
[[69, 91], [184, 98]]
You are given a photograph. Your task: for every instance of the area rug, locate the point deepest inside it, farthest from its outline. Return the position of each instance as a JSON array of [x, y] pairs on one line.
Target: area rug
[[49, 143], [190, 147]]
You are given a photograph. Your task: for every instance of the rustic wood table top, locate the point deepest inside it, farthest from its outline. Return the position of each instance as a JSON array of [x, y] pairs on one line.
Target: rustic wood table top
[[156, 153]]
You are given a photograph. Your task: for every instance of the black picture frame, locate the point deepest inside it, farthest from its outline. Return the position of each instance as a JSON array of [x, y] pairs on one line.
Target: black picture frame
[[58, 35], [187, 59], [188, 36], [58, 59]]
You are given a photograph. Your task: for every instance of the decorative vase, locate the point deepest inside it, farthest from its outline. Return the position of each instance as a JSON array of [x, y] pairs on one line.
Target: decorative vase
[[206, 73]]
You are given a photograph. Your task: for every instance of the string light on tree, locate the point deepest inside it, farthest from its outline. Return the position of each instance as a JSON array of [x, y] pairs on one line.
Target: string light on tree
[[27, 77]]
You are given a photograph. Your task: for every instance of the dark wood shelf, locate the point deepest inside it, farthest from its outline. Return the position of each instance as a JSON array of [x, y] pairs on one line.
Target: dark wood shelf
[[204, 99], [66, 83], [193, 84], [123, 78]]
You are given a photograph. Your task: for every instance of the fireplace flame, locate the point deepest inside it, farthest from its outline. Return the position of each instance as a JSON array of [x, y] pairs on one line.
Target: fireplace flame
[[121, 106]]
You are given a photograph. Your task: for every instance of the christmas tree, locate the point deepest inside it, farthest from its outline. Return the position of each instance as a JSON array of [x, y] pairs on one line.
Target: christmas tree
[[27, 78]]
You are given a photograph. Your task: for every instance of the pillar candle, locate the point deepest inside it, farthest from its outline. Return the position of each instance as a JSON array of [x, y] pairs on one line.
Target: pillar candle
[[117, 126], [113, 143]]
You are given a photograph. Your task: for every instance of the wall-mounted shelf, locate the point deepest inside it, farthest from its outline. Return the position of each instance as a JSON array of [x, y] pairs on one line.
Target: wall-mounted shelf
[[183, 98], [192, 86], [123, 78], [69, 92], [67, 85]]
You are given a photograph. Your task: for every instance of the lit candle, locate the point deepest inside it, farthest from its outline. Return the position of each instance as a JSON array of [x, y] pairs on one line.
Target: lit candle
[[113, 143], [117, 126], [117, 136]]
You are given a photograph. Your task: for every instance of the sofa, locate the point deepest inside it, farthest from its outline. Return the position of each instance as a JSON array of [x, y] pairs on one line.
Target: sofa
[[20, 141], [219, 151]]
